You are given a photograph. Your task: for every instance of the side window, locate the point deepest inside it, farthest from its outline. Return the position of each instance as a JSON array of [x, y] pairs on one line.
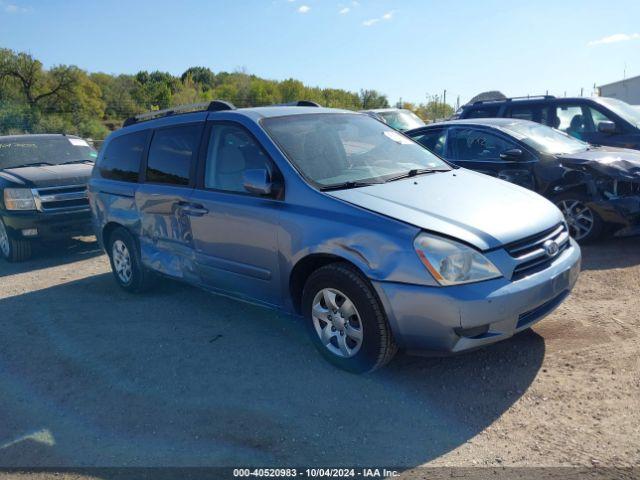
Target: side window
[[524, 112], [433, 140], [485, 111], [121, 159], [471, 144], [597, 117], [231, 151], [571, 119], [172, 153]]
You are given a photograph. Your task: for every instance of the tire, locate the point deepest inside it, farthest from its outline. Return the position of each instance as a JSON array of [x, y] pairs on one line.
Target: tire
[[11, 249], [126, 265], [359, 338], [574, 205]]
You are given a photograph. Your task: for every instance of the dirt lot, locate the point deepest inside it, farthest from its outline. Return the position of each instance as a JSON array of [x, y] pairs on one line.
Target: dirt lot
[[90, 375]]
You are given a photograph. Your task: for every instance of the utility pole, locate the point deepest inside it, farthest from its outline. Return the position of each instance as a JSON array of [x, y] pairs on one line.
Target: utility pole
[[582, 91], [444, 102]]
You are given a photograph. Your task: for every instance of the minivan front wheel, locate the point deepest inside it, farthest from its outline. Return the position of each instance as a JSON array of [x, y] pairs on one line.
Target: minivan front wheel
[[345, 319], [126, 265]]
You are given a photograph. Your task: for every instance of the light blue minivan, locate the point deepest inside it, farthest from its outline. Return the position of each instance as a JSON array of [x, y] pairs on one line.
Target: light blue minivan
[[332, 216]]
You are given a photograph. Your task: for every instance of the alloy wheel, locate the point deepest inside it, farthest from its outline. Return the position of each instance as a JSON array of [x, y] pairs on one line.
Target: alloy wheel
[[337, 322], [122, 261], [4, 240], [579, 217]]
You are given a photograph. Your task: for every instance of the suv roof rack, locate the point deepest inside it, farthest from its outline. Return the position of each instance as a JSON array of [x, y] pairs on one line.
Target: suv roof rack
[[527, 97], [299, 103], [214, 106]]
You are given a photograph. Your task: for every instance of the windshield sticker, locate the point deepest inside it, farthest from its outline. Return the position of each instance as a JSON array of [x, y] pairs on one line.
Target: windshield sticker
[[398, 138], [93, 154], [78, 142]]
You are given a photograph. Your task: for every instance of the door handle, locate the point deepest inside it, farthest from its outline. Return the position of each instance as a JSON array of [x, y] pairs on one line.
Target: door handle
[[193, 209]]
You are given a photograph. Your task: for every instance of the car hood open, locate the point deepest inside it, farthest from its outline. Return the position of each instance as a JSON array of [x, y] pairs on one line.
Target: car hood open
[[617, 163], [40, 176], [475, 208]]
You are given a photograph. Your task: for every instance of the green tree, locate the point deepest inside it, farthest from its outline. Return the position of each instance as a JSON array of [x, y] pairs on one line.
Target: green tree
[[372, 99], [201, 76], [291, 90]]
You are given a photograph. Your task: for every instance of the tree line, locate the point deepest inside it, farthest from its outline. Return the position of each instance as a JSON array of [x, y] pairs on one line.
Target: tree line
[[67, 99]]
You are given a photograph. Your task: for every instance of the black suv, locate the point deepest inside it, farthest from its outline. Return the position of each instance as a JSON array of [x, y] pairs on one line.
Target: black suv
[[599, 120], [43, 190]]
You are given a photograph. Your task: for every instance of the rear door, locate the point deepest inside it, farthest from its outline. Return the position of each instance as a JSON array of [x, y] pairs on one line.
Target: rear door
[[163, 200], [235, 240], [482, 150]]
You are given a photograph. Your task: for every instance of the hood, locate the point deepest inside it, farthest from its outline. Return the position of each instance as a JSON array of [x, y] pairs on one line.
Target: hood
[[40, 176], [478, 209], [617, 163]]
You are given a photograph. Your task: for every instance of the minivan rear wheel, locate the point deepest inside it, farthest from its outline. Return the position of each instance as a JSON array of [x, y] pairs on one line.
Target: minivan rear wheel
[[585, 225], [126, 264], [345, 319], [11, 249]]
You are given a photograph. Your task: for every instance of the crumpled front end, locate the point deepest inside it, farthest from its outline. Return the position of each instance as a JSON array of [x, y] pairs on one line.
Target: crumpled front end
[[611, 180]]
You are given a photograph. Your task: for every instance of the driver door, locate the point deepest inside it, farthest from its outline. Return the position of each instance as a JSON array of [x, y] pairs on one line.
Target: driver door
[[483, 150], [235, 234]]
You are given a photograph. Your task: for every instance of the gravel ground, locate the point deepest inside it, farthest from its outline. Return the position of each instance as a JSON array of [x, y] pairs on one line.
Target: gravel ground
[[90, 375]]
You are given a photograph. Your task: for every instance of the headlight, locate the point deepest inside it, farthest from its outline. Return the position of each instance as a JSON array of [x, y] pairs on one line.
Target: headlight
[[452, 263], [19, 199]]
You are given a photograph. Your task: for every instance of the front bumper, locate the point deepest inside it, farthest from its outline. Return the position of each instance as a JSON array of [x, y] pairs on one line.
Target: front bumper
[[48, 225], [621, 211], [430, 318]]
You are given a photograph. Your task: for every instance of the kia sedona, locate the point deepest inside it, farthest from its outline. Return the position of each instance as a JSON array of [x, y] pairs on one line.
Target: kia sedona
[[332, 216], [43, 191]]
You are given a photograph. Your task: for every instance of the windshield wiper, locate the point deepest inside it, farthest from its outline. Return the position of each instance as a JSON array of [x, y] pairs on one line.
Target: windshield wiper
[[75, 161], [414, 172], [346, 185], [34, 164]]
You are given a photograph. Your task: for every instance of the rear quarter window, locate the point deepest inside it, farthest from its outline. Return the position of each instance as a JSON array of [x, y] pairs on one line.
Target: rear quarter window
[[484, 111], [172, 153], [121, 159]]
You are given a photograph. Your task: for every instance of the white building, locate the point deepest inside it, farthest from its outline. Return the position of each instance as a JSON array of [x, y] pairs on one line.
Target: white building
[[627, 90]]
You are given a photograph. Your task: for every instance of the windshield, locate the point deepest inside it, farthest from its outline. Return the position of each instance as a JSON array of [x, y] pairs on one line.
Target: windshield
[[545, 139], [335, 148], [32, 150], [401, 119], [630, 113]]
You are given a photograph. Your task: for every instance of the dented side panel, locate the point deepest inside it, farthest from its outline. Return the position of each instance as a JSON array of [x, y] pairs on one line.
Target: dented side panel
[[166, 241]]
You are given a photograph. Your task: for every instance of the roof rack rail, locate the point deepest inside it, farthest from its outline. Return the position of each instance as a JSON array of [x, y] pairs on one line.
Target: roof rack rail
[[214, 106], [527, 97], [299, 103]]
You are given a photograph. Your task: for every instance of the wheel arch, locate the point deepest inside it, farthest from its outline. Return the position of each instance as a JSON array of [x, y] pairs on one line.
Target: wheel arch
[[108, 229], [303, 269]]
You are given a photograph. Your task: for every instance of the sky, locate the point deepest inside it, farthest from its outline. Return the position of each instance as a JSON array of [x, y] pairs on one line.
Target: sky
[[406, 49]]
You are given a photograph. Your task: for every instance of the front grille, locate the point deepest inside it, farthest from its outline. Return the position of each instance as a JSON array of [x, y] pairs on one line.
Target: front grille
[[531, 254], [60, 199]]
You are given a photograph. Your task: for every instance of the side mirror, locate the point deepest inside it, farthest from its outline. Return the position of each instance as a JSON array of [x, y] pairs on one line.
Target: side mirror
[[511, 154], [257, 181], [607, 127]]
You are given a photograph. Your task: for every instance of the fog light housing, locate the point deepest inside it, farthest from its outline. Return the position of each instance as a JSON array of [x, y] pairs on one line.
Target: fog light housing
[[29, 232]]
